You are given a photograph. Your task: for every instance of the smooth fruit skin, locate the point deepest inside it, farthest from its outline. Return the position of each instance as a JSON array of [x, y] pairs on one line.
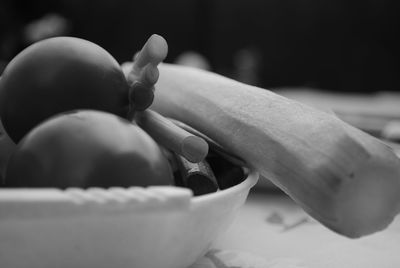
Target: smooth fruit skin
[[56, 75], [87, 149]]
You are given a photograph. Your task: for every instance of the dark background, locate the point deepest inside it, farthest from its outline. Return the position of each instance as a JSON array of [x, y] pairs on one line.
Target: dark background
[[341, 45]]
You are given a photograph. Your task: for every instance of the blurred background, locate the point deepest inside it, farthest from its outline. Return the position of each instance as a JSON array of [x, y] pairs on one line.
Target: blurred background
[[336, 45]]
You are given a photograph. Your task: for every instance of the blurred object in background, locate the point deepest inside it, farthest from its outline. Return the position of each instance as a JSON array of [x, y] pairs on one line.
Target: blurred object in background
[[371, 113], [337, 45], [50, 25], [193, 59], [391, 131], [25, 22], [246, 64]]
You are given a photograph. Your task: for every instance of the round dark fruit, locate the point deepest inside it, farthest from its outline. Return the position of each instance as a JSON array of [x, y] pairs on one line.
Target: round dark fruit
[[87, 148], [56, 75]]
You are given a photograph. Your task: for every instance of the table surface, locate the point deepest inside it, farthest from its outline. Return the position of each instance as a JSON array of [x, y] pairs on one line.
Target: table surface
[[271, 231]]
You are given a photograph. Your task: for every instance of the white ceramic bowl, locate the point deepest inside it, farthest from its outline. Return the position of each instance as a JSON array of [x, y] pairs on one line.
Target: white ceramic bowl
[[155, 227]]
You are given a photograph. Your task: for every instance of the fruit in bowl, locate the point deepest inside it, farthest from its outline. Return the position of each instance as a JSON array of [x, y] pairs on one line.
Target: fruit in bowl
[[86, 184], [84, 149], [57, 75], [330, 168]]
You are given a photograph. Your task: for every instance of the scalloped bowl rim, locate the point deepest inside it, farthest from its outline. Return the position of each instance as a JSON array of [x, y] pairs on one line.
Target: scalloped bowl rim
[[110, 195], [162, 214]]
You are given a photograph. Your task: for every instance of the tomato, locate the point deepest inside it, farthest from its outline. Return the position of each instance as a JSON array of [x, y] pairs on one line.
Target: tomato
[[56, 75], [87, 148]]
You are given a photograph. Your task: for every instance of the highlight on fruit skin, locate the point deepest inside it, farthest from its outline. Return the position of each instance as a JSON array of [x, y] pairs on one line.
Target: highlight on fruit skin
[[56, 75]]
